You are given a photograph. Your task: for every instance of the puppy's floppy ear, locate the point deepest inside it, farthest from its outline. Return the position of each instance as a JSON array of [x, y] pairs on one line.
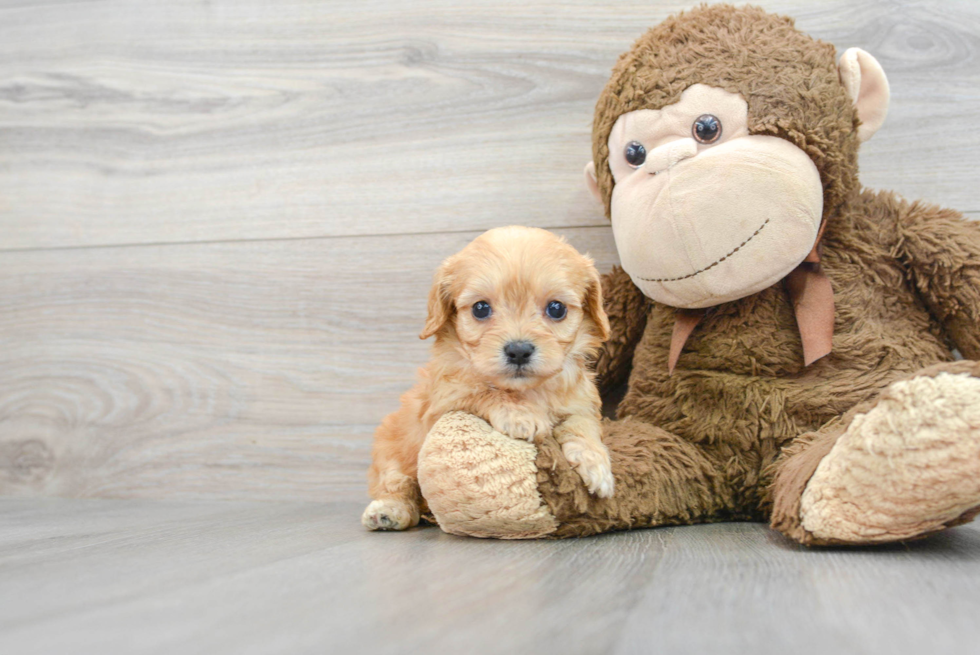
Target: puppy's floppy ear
[[441, 306], [593, 302]]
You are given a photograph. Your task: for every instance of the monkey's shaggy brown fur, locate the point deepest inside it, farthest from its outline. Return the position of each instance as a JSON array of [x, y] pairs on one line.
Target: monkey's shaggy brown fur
[[740, 427]]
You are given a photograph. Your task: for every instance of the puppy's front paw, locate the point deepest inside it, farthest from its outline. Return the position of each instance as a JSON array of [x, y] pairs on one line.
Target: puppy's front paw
[[388, 514], [521, 425], [591, 462]]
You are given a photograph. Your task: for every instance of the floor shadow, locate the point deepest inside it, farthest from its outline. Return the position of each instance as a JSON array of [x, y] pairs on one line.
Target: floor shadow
[[961, 543]]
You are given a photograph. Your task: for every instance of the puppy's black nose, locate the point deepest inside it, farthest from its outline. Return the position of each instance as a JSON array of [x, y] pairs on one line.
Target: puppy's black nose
[[519, 352]]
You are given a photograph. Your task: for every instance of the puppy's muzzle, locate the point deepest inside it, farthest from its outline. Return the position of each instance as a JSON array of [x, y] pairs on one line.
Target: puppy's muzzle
[[519, 353]]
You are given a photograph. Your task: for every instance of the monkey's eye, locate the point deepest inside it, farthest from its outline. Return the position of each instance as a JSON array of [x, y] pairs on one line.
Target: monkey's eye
[[706, 129], [556, 310], [481, 310], [635, 154]]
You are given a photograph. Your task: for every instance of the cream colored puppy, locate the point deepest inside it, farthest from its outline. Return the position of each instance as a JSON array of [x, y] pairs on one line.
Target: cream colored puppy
[[516, 315]]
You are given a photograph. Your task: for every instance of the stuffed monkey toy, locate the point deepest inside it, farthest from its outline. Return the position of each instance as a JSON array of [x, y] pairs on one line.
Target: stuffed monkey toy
[[787, 338]]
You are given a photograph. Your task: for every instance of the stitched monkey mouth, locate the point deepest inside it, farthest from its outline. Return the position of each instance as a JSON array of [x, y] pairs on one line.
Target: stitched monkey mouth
[[711, 265]]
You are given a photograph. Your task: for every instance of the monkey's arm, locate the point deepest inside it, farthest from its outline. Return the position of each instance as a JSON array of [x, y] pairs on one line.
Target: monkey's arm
[[627, 308], [941, 251]]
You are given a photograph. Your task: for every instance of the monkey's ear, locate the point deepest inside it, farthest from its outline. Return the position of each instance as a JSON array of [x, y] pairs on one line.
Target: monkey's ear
[[591, 182], [865, 82], [593, 302], [441, 305]]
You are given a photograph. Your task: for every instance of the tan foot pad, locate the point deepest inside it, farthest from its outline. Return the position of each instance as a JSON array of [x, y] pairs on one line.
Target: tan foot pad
[[482, 483], [908, 467]]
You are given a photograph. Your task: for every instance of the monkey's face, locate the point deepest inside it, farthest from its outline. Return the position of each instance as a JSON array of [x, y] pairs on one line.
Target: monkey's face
[[702, 211]]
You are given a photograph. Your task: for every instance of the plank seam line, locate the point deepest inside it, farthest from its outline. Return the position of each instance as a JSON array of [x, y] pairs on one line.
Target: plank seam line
[[156, 244]]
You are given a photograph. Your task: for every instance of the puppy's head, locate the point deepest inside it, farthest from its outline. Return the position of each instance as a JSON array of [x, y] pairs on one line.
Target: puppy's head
[[520, 304]]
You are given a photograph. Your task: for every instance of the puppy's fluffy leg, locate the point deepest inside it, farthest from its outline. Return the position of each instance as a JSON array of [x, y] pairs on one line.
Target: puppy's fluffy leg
[[395, 512], [519, 422], [581, 443], [392, 478]]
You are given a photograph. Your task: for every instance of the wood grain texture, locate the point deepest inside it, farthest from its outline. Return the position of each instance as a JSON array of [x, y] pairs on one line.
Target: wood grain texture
[[243, 369], [149, 122], [103, 576]]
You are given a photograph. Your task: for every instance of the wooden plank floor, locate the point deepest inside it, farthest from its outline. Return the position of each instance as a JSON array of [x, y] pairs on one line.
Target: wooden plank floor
[[122, 576]]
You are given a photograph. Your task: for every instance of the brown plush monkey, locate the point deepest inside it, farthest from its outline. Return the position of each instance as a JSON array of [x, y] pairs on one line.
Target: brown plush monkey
[[787, 337]]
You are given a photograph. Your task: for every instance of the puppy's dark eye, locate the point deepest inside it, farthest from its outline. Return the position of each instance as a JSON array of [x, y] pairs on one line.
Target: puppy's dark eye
[[481, 310], [556, 310], [635, 154], [706, 129]]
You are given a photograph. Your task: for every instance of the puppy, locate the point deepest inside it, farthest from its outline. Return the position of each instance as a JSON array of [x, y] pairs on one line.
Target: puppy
[[516, 314]]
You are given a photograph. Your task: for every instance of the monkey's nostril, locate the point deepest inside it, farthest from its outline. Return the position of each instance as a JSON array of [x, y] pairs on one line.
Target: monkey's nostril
[[670, 154], [519, 352]]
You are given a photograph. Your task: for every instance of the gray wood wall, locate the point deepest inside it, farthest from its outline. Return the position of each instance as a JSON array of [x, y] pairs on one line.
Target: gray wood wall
[[218, 220]]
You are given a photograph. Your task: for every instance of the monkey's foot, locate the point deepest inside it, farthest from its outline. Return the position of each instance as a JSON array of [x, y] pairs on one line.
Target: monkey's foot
[[481, 483], [907, 467]]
